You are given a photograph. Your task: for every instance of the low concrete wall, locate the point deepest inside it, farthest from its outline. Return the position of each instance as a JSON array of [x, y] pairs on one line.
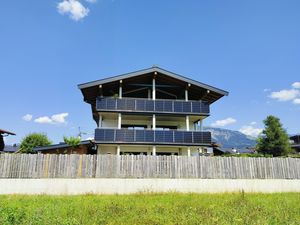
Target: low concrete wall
[[129, 186]]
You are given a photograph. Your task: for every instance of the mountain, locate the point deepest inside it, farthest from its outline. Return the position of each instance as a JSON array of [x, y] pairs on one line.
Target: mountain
[[231, 138]]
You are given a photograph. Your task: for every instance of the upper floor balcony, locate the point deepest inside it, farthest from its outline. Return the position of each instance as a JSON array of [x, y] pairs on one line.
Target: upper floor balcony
[[162, 106], [152, 137]]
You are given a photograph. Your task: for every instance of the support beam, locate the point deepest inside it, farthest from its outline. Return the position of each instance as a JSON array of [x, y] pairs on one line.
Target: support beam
[[186, 95], [100, 91], [120, 89], [187, 121], [154, 87], [119, 120], [118, 150], [153, 150], [100, 121], [154, 122], [201, 124], [189, 151]]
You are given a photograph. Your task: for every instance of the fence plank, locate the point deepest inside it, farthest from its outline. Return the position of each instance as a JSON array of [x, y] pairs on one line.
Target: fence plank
[[141, 166]]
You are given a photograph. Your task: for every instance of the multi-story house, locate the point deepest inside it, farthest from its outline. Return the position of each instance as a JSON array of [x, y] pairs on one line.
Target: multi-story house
[[151, 111]]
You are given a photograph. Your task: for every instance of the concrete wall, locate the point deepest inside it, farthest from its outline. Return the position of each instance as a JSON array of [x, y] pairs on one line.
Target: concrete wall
[[129, 186]]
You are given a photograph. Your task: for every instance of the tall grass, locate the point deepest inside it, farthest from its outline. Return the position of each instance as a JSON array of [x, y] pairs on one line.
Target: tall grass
[[169, 208]]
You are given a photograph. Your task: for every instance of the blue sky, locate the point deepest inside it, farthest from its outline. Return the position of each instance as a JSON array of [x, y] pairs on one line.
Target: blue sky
[[249, 48]]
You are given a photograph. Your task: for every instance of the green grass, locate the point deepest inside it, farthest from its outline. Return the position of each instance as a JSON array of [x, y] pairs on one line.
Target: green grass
[[169, 208]]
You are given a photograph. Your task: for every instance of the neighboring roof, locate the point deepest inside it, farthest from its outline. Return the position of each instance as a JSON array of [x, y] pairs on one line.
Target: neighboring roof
[[295, 138], [230, 150], [57, 146], [150, 70], [6, 132], [11, 148]]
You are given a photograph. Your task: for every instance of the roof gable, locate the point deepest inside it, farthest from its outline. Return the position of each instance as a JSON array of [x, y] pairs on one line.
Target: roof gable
[[152, 70]]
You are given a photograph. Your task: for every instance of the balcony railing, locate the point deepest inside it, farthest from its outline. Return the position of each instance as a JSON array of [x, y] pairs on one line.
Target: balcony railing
[[166, 137], [152, 106]]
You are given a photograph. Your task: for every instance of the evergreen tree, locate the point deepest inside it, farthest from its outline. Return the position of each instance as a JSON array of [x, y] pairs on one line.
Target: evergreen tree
[[274, 139]]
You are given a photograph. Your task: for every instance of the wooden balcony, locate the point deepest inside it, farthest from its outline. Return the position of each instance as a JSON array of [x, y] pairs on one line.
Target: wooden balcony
[[159, 106], [152, 137]]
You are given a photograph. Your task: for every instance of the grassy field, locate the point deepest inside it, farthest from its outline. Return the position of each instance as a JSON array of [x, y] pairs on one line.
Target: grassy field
[[169, 208]]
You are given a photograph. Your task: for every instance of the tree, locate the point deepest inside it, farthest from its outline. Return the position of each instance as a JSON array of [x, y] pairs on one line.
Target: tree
[[74, 142], [32, 141], [274, 139], [1, 142]]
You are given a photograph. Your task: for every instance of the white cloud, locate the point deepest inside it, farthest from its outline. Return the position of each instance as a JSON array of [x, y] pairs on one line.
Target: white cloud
[[73, 8], [285, 95], [223, 123], [43, 119], [296, 101], [251, 131], [253, 123], [91, 1], [59, 118], [267, 90], [296, 85], [27, 117], [54, 119]]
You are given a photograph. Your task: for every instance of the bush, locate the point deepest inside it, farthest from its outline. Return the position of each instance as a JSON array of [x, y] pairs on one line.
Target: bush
[[32, 141], [72, 141]]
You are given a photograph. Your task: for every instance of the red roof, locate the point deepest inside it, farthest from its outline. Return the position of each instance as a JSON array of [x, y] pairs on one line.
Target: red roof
[[6, 132]]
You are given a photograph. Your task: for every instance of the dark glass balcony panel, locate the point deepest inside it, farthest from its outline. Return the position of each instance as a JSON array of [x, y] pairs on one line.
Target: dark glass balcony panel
[[140, 105], [178, 137], [149, 136], [198, 137], [140, 136], [111, 104], [186, 107], [187, 137], [196, 106], [172, 137], [149, 106], [152, 106], [168, 106], [130, 104], [178, 107], [159, 106], [109, 135], [169, 136]]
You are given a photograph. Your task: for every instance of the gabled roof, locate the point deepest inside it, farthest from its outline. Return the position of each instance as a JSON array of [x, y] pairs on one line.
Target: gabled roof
[[6, 132], [58, 146], [152, 70]]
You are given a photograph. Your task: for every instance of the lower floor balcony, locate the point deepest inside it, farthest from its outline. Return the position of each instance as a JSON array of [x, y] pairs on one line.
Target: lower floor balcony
[[152, 137]]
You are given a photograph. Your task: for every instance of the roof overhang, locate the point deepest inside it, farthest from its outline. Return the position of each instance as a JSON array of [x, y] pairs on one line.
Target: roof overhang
[[6, 132], [152, 70]]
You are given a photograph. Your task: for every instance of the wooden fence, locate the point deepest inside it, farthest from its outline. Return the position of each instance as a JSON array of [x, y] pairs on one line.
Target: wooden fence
[[128, 166]]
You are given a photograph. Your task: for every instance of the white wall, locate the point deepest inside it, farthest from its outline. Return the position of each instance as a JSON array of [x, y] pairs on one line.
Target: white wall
[[129, 186], [113, 123], [111, 149]]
